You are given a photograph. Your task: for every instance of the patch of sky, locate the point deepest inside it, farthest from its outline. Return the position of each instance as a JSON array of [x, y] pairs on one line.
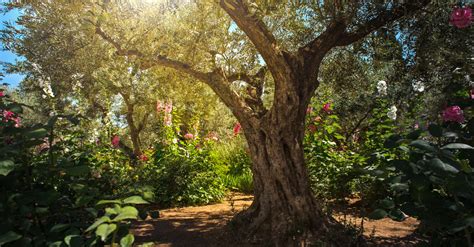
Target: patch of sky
[[8, 57]]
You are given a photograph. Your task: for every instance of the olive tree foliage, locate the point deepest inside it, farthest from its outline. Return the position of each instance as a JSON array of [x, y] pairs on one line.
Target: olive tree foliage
[[82, 74]]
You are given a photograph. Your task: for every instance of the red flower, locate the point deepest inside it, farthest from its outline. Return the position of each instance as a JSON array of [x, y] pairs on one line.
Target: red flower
[[237, 128], [116, 141], [461, 17], [188, 136], [2, 94], [327, 107], [453, 114], [143, 157]]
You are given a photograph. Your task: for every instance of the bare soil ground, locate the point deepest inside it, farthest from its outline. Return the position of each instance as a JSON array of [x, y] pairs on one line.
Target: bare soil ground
[[203, 226]]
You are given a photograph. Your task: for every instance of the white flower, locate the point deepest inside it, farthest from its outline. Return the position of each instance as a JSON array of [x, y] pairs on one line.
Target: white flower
[[382, 88], [418, 86], [392, 113]]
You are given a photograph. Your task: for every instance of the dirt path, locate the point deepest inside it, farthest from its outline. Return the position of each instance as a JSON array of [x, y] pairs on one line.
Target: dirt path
[[202, 226]]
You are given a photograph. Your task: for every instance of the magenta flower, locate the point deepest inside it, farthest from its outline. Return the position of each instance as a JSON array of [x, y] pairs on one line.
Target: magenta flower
[[327, 107], [453, 114], [237, 128], [189, 136], [461, 17], [115, 141], [2, 94], [8, 115]]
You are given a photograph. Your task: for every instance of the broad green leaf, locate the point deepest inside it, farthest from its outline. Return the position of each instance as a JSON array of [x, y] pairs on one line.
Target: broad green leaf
[[399, 186], [127, 241], [104, 230], [103, 219], [457, 146], [387, 203], [462, 224], [36, 133], [440, 166], [15, 107], [59, 227], [74, 241], [128, 212], [6, 166], [393, 141], [423, 145], [102, 202], [397, 214], [378, 214], [135, 200], [9, 237]]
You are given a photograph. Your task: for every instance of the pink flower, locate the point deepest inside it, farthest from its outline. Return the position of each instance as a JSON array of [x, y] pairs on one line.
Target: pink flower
[[212, 136], [116, 141], [461, 17], [416, 126], [309, 110], [143, 157], [169, 107], [168, 119], [472, 93], [17, 122], [453, 114], [317, 119], [312, 128], [237, 128], [159, 106], [2, 94], [8, 115], [327, 107], [188, 136]]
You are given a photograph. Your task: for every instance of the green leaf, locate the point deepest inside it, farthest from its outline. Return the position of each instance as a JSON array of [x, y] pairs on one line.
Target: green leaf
[[414, 134], [457, 146], [101, 220], [462, 224], [9, 237], [440, 166], [378, 214], [399, 187], [6, 166], [102, 202], [397, 215], [127, 212], [36, 133], [15, 107], [134, 200], [435, 130], [104, 230], [59, 227], [74, 241], [423, 145], [127, 241], [387, 203], [77, 170]]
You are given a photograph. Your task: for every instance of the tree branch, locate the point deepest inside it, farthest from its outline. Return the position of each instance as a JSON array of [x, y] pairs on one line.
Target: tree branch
[[155, 60], [381, 20], [260, 36]]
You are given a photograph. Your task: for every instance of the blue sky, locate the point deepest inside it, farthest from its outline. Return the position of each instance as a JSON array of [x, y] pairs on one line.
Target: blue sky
[[6, 56]]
